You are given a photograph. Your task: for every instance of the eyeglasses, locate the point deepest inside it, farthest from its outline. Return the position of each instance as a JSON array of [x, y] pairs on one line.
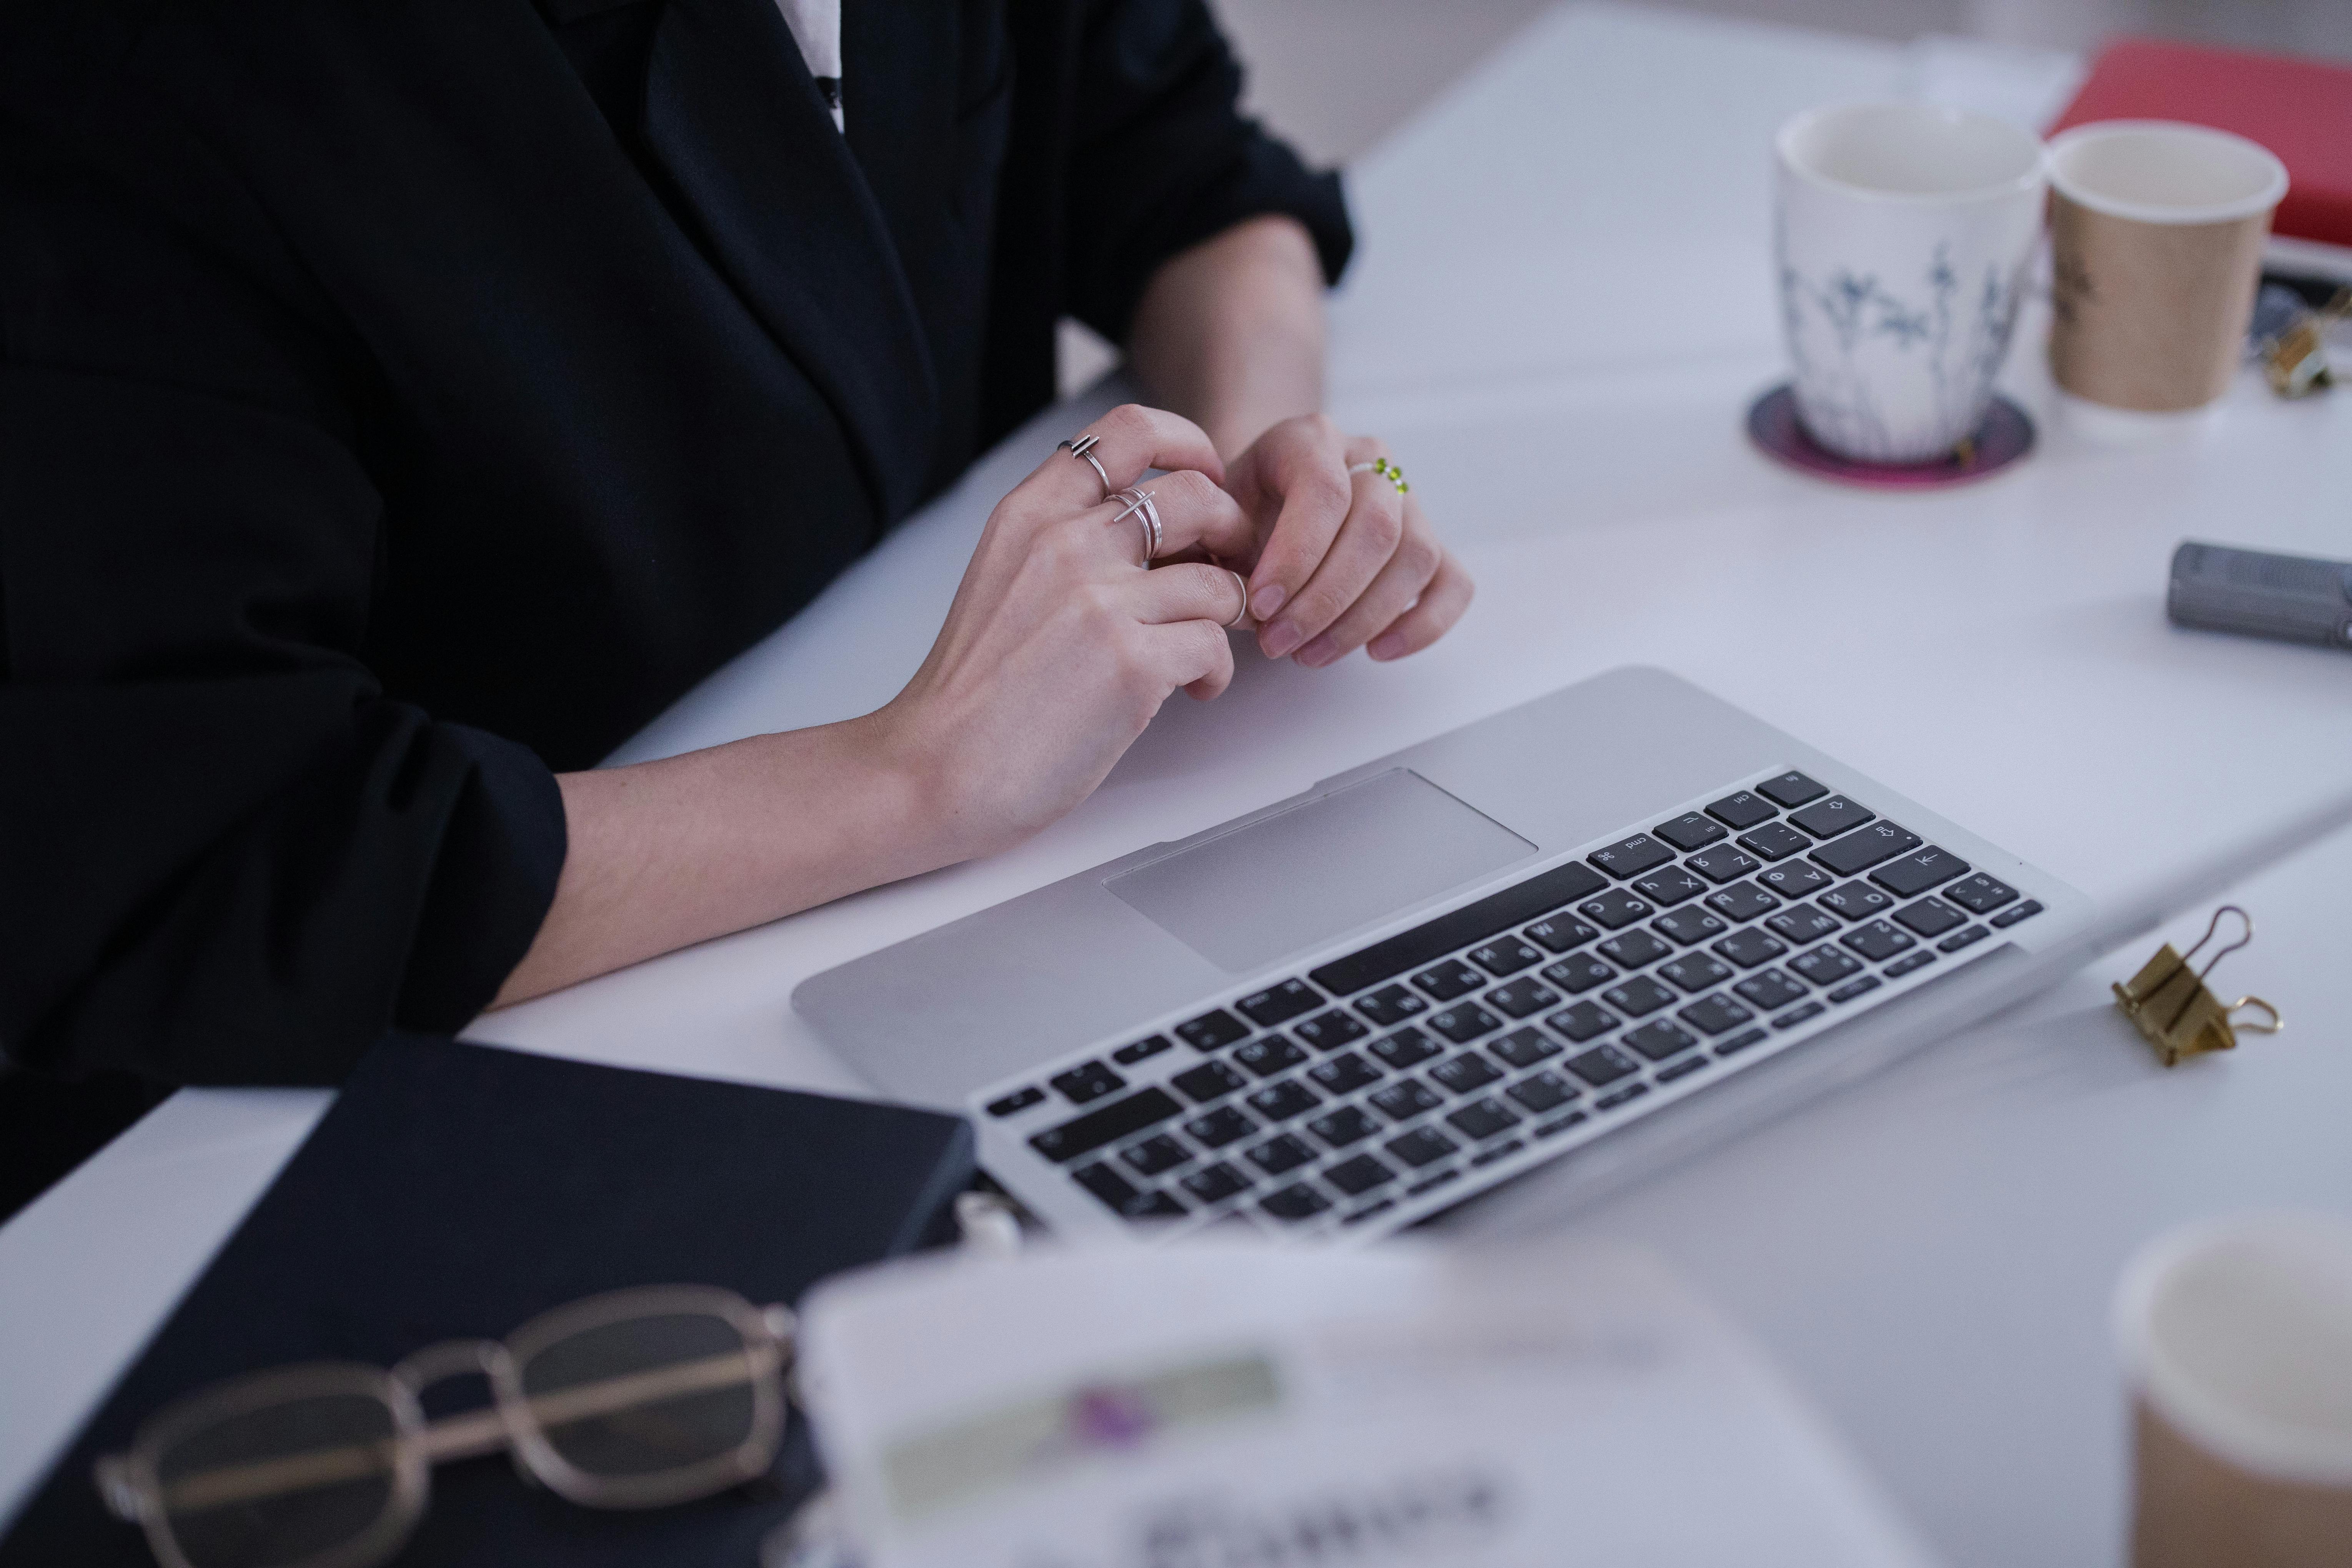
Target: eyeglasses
[[637, 1399]]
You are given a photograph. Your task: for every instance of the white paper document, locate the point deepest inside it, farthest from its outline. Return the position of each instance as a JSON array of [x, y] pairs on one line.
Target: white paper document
[[1233, 1405]]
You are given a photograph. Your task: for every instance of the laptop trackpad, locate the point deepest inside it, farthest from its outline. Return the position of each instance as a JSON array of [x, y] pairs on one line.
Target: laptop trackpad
[[1290, 881]]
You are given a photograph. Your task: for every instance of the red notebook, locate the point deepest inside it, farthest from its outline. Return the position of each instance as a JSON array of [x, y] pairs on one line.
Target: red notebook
[[2300, 109]]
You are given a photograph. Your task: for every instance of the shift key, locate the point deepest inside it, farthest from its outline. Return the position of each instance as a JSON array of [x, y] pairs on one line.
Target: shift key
[[1866, 846], [1113, 1121]]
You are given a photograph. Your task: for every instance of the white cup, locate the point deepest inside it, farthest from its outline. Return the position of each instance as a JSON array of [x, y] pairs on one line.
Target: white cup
[[1903, 236], [2237, 1338]]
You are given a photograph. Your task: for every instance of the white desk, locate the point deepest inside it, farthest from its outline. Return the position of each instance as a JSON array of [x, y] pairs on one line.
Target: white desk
[[1559, 314]]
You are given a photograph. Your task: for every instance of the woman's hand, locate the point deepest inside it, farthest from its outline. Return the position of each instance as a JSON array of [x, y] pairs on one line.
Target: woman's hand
[[1342, 559], [1060, 647]]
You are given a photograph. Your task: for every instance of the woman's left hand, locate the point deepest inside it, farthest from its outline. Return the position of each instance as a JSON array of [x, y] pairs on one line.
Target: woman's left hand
[[1344, 559]]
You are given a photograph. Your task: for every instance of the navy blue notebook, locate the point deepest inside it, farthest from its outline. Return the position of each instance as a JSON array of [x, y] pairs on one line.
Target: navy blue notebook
[[457, 1191]]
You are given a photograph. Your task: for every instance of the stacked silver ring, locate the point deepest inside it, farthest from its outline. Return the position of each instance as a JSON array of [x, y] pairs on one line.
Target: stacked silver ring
[[1084, 446], [1146, 511]]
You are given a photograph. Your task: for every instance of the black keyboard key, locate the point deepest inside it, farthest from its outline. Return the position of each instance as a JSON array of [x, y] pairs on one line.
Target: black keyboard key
[[1542, 1091], [1795, 881], [1344, 1126], [1716, 1015], [2024, 911], [1473, 923], [1958, 940], [1287, 1153], [1879, 940], [1581, 1022], [1281, 1101], [1669, 886], [1616, 1098], [1691, 830], [1345, 1073], [1741, 901], [1833, 816], [1558, 1124], [1740, 809], [1578, 975], [1979, 894], [1750, 948], [1128, 1056], [1210, 1080], [1211, 1031], [1157, 1153], [1156, 1206], [1803, 923], [1919, 871], [1115, 1190], [1774, 841], [1683, 1068], [1330, 1031], [1856, 900], [1854, 988], [1360, 1175], [1280, 1004], [1524, 1048], [1450, 979], [1824, 965], [1602, 1065], [1615, 908], [1631, 856], [1634, 948], [1659, 1040], [1019, 1100], [1407, 1046], [1403, 1101], [1796, 1015], [1504, 955], [1219, 1127], [1392, 1005], [1561, 932], [1421, 1146], [1792, 790], [1740, 1042], [1522, 996], [1486, 1118], [1694, 972], [1689, 927], [1930, 917], [1215, 1183], [1901, 966], [1638, 996], [1269, 1055], [1464, 1023], [1860, 850], [1294, 1203], [1105, 1124], [1769, 989], [1724, 865], [1465, 1073]]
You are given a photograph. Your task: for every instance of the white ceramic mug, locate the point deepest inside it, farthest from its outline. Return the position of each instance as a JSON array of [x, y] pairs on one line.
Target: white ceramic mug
[[1903, 236]]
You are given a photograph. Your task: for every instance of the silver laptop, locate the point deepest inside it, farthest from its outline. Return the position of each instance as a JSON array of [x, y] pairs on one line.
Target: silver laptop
[[1590, 935]]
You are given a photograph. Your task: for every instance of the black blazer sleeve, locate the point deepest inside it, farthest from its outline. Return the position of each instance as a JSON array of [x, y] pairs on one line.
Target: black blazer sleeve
[[1162, 157], [224, 856]]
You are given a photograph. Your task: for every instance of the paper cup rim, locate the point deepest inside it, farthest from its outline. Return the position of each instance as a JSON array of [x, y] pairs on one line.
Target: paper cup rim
[[2273, 189], [2035, 176], [2253, 1443]]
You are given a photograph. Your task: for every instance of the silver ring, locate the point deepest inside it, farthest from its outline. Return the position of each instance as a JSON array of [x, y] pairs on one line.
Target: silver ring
[[1146, 512], [1084, 446], [1243, 613]]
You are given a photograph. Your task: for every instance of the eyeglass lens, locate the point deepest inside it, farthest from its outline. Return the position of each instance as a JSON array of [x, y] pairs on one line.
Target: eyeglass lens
[[280, 1485], [639, 1398]]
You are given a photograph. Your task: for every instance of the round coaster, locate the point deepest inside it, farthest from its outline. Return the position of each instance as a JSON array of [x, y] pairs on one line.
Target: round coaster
[[2005, 436]]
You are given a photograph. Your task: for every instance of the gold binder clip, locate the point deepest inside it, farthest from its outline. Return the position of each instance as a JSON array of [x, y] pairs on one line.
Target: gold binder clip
[[2168, 1004]]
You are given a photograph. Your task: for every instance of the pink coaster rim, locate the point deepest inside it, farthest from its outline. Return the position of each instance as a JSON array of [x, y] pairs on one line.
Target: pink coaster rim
[[2006, 434]]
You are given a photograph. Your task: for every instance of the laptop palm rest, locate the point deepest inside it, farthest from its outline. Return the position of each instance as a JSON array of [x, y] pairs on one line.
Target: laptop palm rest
[[1270, 887]]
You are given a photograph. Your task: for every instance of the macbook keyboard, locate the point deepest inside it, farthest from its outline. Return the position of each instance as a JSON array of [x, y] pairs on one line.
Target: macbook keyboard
[[1371, 1090]]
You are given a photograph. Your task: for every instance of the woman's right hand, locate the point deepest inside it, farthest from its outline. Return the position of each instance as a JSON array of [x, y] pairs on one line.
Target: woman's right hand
[[1060, 645]]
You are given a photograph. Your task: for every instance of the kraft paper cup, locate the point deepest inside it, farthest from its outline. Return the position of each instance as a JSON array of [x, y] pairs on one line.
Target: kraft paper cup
[[2156, 238], [2237, 1339]]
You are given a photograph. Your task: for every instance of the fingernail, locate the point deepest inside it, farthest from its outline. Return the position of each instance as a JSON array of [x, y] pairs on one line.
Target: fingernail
[[1388, 644], [1281, 638], [1265, 600], [1319, 652]]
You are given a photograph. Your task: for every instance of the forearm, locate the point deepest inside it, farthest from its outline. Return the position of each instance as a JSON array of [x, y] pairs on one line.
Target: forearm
[[1230, 333]]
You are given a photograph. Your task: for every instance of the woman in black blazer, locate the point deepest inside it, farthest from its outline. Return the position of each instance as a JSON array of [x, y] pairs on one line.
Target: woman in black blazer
[[401, 404]]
